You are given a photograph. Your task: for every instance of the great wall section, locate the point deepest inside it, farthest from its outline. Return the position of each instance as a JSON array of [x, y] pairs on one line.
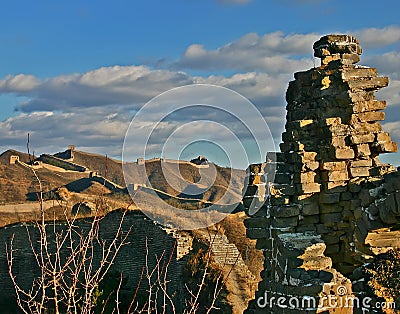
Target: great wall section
[[319, 209], [324, 205]]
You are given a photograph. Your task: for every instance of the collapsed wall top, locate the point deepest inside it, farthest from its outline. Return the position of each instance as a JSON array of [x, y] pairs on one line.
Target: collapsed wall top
[[335, 47]]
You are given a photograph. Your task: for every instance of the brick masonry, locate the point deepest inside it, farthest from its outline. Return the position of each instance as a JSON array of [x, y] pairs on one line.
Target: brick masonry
[[324, 205]]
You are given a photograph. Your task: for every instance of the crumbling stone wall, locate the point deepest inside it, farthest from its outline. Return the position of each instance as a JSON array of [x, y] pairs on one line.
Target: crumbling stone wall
[[325, 204], [146, 240]]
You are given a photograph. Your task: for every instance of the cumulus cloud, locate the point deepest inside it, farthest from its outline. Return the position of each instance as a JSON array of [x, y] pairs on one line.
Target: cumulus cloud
[[271, 53], [387, 63], [378, 37], [18, 83], [104, 86]]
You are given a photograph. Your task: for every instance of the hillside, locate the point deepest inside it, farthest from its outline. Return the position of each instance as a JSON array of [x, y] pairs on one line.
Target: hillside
[[18, 184]]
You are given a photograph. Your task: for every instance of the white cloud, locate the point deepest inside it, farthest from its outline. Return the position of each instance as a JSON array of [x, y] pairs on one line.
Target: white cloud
[[271, 53], [104, 86], [378, 37], [18, 83], [387, 63]]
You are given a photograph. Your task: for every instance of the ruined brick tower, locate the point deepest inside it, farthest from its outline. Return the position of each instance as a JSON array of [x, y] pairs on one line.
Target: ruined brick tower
[[324, 205]]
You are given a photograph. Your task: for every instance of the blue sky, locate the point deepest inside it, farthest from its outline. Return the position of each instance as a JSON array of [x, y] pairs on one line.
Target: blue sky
[[75, 72]]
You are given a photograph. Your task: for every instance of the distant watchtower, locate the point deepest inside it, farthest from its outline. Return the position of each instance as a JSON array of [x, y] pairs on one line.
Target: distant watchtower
[[13, 159], [71, 149]]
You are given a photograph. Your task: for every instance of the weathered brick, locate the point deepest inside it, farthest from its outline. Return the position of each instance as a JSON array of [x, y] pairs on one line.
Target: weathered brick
[[361, 163], [331, 217], [362, 138], [257, 233], [329, 198], [336, 186], [285, 222], [359, 172], [286, 211], [362, 150], [338, 141], [368, 116], [281, 189], [344, 153], [304, 177], [371, 105], [307, 188], [333, 165], [335, 175], [330, 208], [310, 209], [257, 222], [385, 147]]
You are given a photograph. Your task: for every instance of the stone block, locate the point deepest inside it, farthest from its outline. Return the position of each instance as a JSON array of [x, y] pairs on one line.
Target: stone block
[[317, 263], [264, 244], [366, 127], [383, 137], [357, 73], [309, 220], [371, 116], [346, 196], [308, 188], [282, 178], [330, 208], [374, 83], [355, 185], [279, 200], [285, 222], [338, 141], [335, 175], [257, 233], [286, 211], [362, 138], [304, 177], [331, 217], [371, 105], [256, 190], [310, 209], [322, 228], [281, 189], [333, 165], [344, 153], [302, 157], [257, 222], [336, 186], [361, 163], [359, 172], [311, 165], [296, 125], [329, 198], [385, 147], [362, 150]]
